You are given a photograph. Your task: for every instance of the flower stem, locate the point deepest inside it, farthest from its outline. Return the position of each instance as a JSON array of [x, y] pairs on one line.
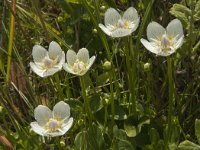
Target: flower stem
[[112, 98], [131, 74], [86, 100], [59, 88], [11, 36], [171, 97]]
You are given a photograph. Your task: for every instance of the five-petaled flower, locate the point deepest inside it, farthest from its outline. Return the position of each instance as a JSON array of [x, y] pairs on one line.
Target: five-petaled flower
[[47, 63], [79, 63], [52, 123], [120, 26], [164, 42]]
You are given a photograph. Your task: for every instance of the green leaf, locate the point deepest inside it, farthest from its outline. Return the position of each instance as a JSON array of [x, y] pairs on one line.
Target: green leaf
[[90, 139], [102, 78], [96, 137], [130, 129], [197, 129], [187, 145], [154, 136], [197, 7], [122, 145], [96, 103], [80, 141], [181, 12], [143, 122], [119, 133]]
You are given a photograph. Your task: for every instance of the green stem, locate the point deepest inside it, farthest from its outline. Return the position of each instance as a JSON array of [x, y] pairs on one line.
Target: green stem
[[112, 98], [59, 88], [68, 87], [11, 36], [134, 54], [86, 100], [131, 73], [171, 97]]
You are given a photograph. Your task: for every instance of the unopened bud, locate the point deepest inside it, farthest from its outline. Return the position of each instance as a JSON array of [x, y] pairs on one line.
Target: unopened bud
[[147, 66], [103, 7], [106, 101], [80, 122], [107, 65], [62, 143], [94, 31], [1, 109]]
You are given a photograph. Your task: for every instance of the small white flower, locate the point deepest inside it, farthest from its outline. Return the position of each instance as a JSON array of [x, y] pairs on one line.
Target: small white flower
[[47, 63], [52, 123], [164, 42], [79, 63], [119, 26]]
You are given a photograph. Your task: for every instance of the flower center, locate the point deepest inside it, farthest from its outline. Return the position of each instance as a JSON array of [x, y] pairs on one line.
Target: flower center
[[165, 42], [79, 66], [53, 125], [48, 63], [123, 24]]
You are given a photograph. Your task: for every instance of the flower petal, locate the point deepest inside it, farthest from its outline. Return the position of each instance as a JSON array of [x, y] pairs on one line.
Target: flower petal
[[71, 57], [167, 53], [155, 31], [130, 14], [61, 62], [37, 129], [37, 70], [67, 125], [134, 25], [42, 114], [91, 61], [120, 32], [61, 111], [51, 71], [83, 55], [104, 29], [111, 17], [39, 53], [175, 29], [149, 46], [179, 42], [53, 134], [55, 50], [68, 69]]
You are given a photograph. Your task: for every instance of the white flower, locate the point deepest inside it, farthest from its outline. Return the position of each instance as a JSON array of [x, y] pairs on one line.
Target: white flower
[[47, 63], [164, 42], [79, 63], [117, 26], [52, 123]]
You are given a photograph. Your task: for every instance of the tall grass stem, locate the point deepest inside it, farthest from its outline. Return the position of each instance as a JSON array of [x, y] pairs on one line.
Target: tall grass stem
[[11, 38]]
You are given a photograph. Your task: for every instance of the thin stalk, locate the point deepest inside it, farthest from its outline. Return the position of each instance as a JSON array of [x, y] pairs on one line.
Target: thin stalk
[[171, 97], [112, 98], [59, 88], [128, 64], [86, 100], [131, 73], [11, 37], [112, 75], [68, 87], [134, 74]]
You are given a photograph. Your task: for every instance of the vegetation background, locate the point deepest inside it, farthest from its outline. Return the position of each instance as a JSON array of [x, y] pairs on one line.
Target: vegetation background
[[74, 24]]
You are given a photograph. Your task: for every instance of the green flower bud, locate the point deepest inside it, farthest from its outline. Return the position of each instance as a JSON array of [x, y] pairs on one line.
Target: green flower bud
[[107, 65], [103, 7], [62, 143], [1, 109], [147, 66], [80, 122], [94, 31]]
